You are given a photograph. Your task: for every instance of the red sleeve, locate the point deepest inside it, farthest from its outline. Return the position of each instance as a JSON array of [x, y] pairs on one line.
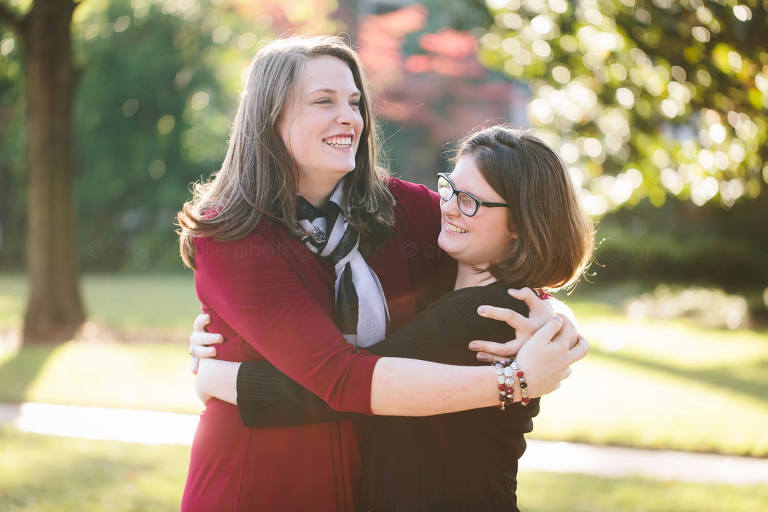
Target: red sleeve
[[255, 290], [422, 221]]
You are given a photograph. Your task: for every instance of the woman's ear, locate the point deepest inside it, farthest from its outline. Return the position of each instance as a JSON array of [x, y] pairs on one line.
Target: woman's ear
[[511, 224], [512, 230]]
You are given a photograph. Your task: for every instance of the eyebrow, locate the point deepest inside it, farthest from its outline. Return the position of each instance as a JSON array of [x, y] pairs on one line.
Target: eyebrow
[[449, 177], [332, 91]]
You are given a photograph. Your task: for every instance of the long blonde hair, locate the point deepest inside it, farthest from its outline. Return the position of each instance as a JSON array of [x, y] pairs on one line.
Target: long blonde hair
[[259, 176]]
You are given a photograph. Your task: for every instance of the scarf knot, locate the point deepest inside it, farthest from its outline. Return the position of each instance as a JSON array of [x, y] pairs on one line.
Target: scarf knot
[[360, 311]]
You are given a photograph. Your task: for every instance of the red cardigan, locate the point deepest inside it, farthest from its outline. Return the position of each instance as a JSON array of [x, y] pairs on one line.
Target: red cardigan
[[271, 298]]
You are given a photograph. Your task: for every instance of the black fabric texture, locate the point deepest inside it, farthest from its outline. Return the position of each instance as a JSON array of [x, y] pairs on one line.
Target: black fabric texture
[[451, 462]]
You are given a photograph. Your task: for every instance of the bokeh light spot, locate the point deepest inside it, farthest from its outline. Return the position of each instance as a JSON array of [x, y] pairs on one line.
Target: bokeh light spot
[[130, 107], [156, 169], [561, 74], [122, 23], [165, 124]]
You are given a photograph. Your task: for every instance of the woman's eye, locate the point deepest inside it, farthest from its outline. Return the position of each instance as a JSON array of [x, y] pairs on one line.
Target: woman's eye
[[355, 103], [323, 100]]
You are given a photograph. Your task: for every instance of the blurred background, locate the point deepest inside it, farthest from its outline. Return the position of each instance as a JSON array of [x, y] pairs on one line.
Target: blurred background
[[110, 109]]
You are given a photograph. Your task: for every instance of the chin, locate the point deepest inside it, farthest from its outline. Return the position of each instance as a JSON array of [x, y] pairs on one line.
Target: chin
[[338, 172], [446, 246], [441, 242], [345, 168]]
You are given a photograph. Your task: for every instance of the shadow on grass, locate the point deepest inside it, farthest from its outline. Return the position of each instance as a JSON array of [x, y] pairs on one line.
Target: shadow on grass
[[750, 380], [19, 372]]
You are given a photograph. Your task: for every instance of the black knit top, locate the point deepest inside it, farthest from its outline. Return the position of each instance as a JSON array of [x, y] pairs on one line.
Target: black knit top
[[463, 461]]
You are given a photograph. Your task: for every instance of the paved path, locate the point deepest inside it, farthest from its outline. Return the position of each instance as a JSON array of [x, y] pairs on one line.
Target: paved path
[[149, 427]]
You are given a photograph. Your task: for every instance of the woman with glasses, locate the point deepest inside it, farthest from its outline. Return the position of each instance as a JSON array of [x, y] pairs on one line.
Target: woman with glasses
[[509, 218]]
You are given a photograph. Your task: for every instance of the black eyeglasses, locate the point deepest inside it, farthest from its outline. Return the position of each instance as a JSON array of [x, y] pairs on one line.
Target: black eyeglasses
[[468, 204]]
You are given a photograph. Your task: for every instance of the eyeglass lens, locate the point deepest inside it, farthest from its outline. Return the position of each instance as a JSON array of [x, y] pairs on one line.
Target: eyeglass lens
[[467, 205]]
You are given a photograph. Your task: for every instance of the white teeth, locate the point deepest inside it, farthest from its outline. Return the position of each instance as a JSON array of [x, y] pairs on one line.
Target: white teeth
[[339, 142], [451, 227]]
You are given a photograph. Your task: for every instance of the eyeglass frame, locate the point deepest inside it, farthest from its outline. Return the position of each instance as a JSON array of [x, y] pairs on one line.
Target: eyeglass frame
[[456, 192]]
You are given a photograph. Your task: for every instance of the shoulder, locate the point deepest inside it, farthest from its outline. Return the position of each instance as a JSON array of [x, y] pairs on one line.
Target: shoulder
[[412, 196], [211, 212], [266, 242], [456, 319], [417, 210], [470, 298]]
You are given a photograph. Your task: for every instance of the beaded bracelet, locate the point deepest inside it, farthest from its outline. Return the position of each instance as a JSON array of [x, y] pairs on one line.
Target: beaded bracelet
[[520, 374], [506, 381]]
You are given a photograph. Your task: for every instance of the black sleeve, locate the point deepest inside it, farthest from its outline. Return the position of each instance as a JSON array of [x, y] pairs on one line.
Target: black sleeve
[[440, 333], [266, 397]]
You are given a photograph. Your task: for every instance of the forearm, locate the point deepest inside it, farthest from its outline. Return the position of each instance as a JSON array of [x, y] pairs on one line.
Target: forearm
[[265, 301], [409, 387], [266, 397]]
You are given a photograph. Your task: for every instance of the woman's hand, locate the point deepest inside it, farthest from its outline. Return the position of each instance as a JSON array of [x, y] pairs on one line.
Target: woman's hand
[[539, 312], [546, 358], [202, 382], [217, 379], [200, 341]]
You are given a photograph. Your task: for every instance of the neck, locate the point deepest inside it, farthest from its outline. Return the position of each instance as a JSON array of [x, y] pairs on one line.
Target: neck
[[466, 276], [316, 192]]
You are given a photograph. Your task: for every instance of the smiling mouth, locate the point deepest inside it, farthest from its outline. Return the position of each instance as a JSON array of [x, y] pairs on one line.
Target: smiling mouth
[[454, 229], [343, 142]]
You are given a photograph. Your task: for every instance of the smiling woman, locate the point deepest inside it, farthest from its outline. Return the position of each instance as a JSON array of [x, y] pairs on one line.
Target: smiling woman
[[289, 106], [306, 253], [322, 126], [475, 232]]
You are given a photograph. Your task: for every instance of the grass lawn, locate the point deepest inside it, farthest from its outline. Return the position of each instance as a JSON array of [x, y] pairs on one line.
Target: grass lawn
[[567, 492], [648, 383], [139, 376], [47, 474], [129, 302], [664, 384]]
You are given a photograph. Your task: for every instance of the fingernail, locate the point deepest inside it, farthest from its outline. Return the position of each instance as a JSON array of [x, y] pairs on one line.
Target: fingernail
[[482, 357], [473, 345], [481, 310]]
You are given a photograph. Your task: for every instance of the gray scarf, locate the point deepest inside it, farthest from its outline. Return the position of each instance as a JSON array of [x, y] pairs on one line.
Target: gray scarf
[[361, 311]]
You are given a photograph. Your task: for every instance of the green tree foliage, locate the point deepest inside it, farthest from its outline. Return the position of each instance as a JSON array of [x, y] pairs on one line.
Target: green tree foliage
[[12, 170], [644, 98], [158, 83], [152, 116]]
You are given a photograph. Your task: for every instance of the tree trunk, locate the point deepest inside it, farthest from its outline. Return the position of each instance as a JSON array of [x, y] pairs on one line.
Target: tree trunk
[[54, 309]]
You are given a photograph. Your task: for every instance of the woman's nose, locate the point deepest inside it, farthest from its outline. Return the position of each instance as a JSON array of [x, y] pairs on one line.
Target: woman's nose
[[346, 114], [450, 207]]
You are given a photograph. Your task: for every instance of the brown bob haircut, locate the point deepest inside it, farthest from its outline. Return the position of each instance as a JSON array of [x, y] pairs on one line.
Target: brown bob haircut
[[554, 238]]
